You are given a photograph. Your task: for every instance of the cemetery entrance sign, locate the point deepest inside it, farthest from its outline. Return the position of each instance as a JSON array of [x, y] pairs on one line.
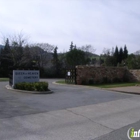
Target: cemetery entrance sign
[[28, 76]]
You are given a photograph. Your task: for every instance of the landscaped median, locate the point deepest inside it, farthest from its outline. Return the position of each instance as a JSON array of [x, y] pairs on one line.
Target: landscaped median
[[36, 87]]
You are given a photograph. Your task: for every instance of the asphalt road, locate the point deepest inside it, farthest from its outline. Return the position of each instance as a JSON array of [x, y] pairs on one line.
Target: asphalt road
[[64, 96], [69, 113]]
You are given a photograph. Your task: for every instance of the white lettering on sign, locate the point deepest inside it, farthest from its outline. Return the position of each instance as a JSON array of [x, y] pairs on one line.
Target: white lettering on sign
[[28, 76]]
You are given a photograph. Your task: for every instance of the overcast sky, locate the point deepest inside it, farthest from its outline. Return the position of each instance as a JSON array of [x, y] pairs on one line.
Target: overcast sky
[[101, 23]]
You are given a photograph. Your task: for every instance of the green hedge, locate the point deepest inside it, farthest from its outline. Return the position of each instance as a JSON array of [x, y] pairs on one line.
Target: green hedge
[[37, 86]]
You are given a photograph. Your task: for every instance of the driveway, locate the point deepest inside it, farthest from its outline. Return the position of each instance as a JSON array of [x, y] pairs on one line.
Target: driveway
[[64, 96], [71, 112]]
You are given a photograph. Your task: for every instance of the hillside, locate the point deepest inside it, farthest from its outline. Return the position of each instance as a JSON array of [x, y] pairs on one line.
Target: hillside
[[87, 53], [1, 46], [137, 52], [92, 55]]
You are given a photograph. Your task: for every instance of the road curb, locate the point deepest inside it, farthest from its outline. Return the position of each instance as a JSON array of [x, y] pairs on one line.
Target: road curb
[[136, 93], [76, 85], [25, 91], [107, 89]]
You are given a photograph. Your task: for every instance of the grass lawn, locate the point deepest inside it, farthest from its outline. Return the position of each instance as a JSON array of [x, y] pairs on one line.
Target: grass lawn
[[112, 85], [4, 79]]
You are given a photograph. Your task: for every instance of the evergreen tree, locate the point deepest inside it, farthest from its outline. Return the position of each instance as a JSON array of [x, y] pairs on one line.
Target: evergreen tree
[[55, 56], [121, 55], [56, 62], [6, 59], [116, 56], [75, 57], [71, 46], [7, 45], [125, 55]]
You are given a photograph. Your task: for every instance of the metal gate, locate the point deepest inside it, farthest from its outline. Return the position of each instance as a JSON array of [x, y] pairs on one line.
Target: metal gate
[[70, 77]]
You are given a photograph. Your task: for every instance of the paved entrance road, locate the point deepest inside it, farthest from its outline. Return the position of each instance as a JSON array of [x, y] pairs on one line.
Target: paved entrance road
[[70, 113], [64, 96]]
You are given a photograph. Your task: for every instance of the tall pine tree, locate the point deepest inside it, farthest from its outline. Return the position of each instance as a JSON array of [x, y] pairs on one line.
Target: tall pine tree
[[116, 56], [56, 62], [125, 55], [6, 59], [121, 55], [71, 46]]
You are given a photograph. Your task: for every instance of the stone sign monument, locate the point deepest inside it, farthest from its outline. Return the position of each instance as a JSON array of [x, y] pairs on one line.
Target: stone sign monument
[[28, 76]]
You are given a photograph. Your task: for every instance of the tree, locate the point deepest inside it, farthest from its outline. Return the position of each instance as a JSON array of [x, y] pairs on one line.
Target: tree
[[75, 57], [6, 59], [72, 46], [19, 40], [116, 56], [125, 55], [110, 56], [45, 46], [55, 56], [107, 56], [40, 53], [120, 55], [17, 53], [7, 45], [93, 61], [56, 62], [131, 61], [109, 60], [87, 48], [27, 61], [16, 43], [38, 56]]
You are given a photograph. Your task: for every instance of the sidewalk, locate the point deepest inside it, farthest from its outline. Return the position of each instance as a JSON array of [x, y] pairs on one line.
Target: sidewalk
[[131, 89], [78, 123]]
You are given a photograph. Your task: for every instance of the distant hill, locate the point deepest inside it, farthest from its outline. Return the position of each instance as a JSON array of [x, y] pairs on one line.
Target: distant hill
[[137, 52], [88, 53], [92, 55], [1, 46]]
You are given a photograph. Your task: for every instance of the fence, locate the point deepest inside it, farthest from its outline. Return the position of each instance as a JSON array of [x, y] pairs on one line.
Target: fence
[[70, 77]]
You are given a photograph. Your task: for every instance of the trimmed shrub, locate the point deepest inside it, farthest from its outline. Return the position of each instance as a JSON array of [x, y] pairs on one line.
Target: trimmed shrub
[[37, 86]]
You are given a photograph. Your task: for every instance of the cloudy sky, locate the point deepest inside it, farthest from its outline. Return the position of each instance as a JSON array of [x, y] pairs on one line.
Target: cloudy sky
[[101, 23]]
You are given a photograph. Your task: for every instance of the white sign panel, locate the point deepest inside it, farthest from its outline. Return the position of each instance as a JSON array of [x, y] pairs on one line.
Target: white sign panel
[[28, 76], [68, 73]]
